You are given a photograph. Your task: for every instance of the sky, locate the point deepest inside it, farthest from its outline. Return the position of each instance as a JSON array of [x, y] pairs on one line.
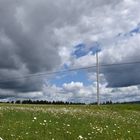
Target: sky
[[41, 36]]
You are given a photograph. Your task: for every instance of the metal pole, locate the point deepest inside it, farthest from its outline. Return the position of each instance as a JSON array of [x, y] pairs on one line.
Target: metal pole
[[97, 74]]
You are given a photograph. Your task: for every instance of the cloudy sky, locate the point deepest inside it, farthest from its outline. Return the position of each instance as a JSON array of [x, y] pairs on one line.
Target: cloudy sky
[[41, 36]]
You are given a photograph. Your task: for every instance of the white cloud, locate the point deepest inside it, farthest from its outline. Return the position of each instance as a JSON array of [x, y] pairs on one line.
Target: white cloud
[[39, 35], [76, 91]]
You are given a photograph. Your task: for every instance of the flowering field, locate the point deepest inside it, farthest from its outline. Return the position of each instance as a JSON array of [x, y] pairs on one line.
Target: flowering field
[[52, 122]]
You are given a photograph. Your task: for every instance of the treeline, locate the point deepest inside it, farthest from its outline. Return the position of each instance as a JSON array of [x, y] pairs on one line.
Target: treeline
[[65, 103], [44, 102]]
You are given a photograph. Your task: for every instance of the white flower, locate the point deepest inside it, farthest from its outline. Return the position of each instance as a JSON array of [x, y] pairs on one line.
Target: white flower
[[35, 118], [45, 121], [1, 138], [80, 137], [128, 131]]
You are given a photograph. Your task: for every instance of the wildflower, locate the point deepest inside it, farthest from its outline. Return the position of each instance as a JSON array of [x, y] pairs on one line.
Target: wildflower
[[80, 137], [68, 132], [35, 118], [1, 138], [45, 121], [128, 131], [50, 133]]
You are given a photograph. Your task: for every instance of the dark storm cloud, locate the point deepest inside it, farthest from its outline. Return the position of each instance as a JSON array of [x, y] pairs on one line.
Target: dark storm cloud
[[24, 52], [29, 47], [122, 75]]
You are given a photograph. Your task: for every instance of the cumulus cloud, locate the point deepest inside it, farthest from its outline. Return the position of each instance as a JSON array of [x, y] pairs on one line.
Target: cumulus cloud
[[77, 92]]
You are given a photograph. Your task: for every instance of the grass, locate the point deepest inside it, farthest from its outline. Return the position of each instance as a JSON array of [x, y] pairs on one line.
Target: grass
[[52, 122]]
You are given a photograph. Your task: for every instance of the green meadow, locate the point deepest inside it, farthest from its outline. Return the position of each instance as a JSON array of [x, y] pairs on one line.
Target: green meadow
[[69, 122]]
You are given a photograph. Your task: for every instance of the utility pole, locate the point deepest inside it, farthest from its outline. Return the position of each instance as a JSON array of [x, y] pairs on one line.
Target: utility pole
[[97, 74]]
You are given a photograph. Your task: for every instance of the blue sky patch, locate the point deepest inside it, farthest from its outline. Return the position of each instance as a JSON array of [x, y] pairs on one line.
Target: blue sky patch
[[132, 32], [82, 49], [135, 30], [76, 76]]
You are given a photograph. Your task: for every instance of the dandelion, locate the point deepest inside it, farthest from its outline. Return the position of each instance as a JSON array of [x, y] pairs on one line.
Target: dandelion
[[50, 133], [35, 118], [80, 137], [128, 131], [67, 132]]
